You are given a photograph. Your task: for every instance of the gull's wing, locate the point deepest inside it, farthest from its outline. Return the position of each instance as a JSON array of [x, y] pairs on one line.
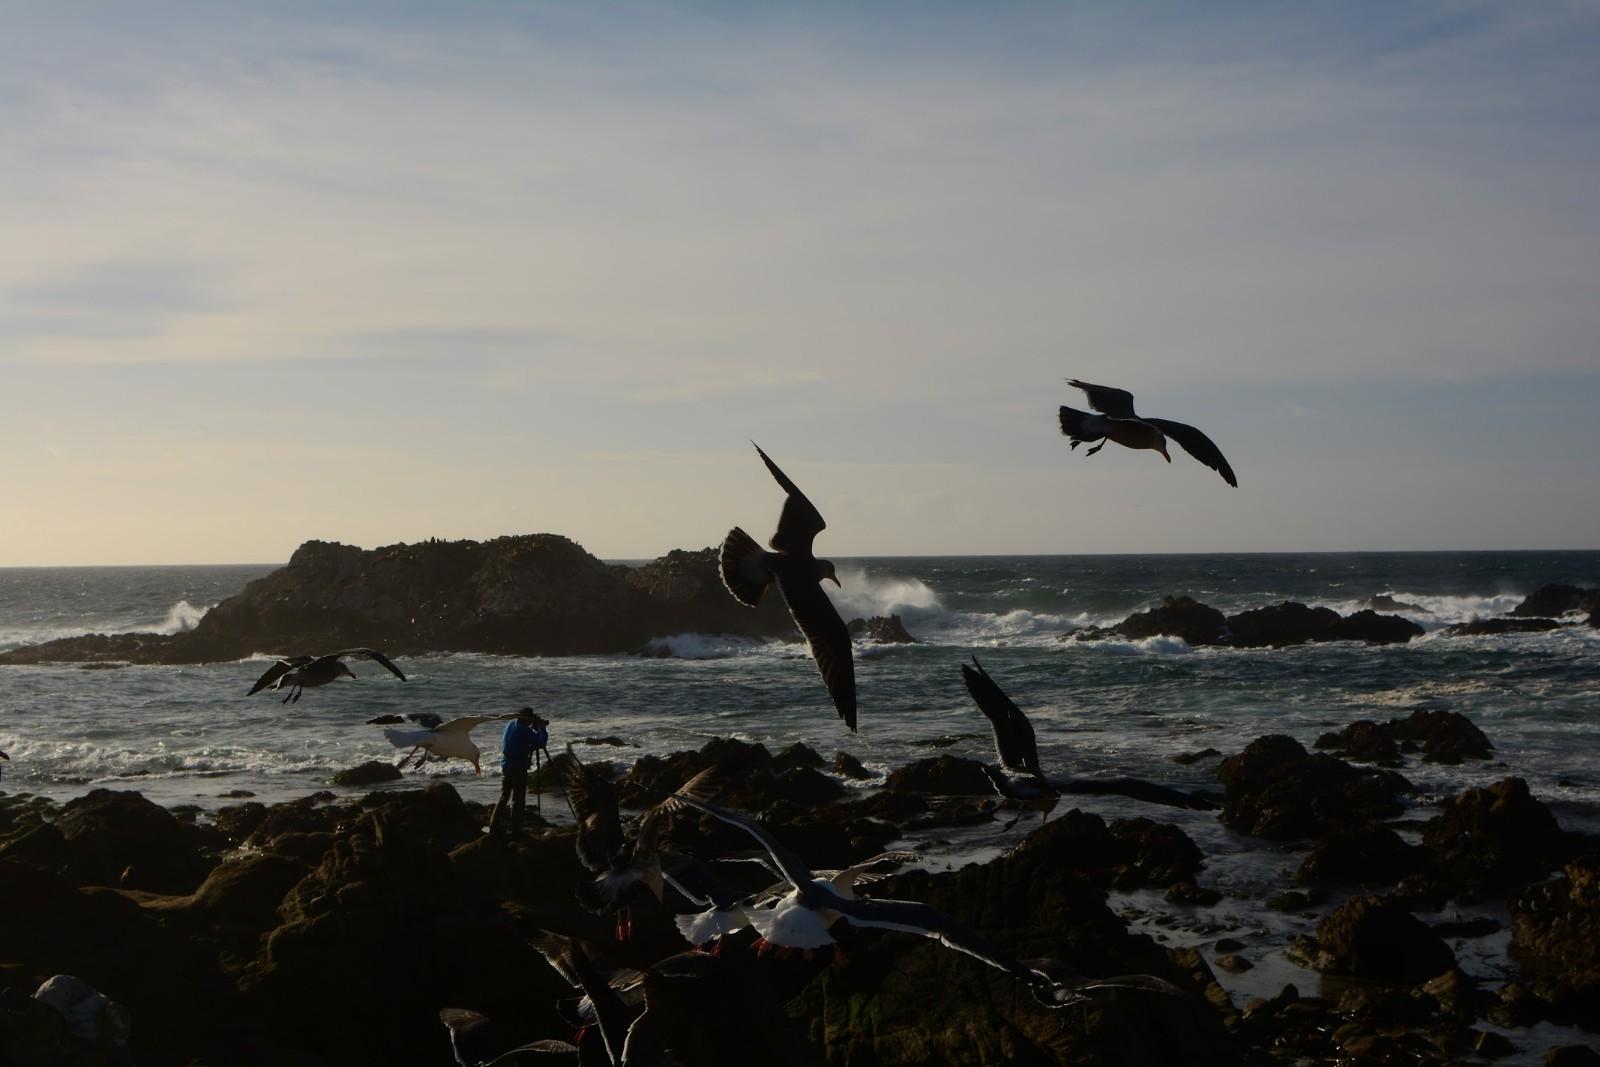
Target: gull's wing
[[1197, 445], [791, 866], [464, 725], [1118, 403], [873, 869], [1063, 985], [828, 637], [537, 1052], [593, 801], [1013, 733], [646, 1037], [1137, 788], [566, 955], [914, 917], [800, 521], [276, 671], [368, 653]]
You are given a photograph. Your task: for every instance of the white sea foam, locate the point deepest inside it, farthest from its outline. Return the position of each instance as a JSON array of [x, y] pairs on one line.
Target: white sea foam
[[1437, 611], [181, 617], [862, 595]]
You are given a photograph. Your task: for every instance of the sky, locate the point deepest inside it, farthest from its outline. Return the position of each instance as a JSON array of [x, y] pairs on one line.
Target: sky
[[376, 273]]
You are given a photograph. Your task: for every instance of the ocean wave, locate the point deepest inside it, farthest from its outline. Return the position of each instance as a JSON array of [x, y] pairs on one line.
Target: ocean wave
[[1159, 645], [702, 646], [1436, 611], [182, 617]]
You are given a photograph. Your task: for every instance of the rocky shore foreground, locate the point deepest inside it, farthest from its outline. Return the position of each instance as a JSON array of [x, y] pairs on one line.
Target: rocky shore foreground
[[333, 929], [542, 594]]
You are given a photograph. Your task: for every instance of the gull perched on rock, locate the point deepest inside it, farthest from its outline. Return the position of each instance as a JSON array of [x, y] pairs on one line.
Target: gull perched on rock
[[447, 740], [747, 570], [307, 672], [1118, 422]]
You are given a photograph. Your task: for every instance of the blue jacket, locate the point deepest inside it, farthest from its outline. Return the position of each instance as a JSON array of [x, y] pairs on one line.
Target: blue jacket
[[517, 745]]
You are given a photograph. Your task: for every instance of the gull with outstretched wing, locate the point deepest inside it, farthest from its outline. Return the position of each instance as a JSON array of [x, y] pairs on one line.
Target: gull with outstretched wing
[[1117, 421], [747, 569], [307, 672]]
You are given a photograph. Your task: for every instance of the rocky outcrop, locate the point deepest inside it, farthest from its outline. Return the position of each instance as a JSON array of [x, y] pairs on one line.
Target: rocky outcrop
[[1275, 626], [1440, 736], [1550, 601], [1491, 840], [1194, 622], [538, 594], [1555, 936], [1276, 789], [1378, 938], [889, 630]]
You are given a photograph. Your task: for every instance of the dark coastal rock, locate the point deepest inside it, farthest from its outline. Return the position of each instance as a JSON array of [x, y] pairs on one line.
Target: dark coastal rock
[[1443, 737], [1126, 855], [1369, 855], [850, 767], [121, 839], [885, 631], [1491, 840], [1282, 624], [1186, 758], [1494, 627], [1275, 789], [1378, 938], [536, 594], [1376, 629], [369, 773], [1290, 623], [909, 1002], [1572, 1056], [798, 755], [947, 775], [1364, 741], [1555, 937], [1551, 601], [1194, 622]]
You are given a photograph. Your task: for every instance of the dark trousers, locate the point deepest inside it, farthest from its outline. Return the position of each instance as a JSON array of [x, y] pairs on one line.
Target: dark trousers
[[513, 795]]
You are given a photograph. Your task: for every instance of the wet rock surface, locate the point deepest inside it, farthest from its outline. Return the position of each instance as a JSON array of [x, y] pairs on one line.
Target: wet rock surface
[[890, 630], [332, 929]]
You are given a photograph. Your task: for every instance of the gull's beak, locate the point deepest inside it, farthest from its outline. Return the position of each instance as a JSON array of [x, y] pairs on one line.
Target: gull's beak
[[835, 581], [1164, 454], [475, 768]]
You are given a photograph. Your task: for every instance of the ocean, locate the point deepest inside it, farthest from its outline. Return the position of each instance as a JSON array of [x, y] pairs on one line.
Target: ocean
[[190, 735]]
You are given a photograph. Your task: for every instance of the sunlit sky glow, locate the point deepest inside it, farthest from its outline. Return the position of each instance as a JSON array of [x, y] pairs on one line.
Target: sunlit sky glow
[[375, 273]]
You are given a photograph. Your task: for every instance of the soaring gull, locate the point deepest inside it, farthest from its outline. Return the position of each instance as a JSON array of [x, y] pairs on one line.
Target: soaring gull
[[307, 672], [447, 740], [747, 570], [1118, 422], [1019, 753]]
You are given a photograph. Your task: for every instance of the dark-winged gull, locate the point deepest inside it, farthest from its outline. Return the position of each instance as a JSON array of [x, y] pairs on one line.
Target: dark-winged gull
[[307, 672], [1019, 753], [747, 570], [447, 740], [476, 1043], [1118, 422]]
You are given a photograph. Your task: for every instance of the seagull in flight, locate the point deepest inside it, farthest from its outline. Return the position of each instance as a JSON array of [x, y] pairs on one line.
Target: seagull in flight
[[747, 570], [801, 918], [1014, 743], [306, 672], [446, 740], [1118, 422]]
